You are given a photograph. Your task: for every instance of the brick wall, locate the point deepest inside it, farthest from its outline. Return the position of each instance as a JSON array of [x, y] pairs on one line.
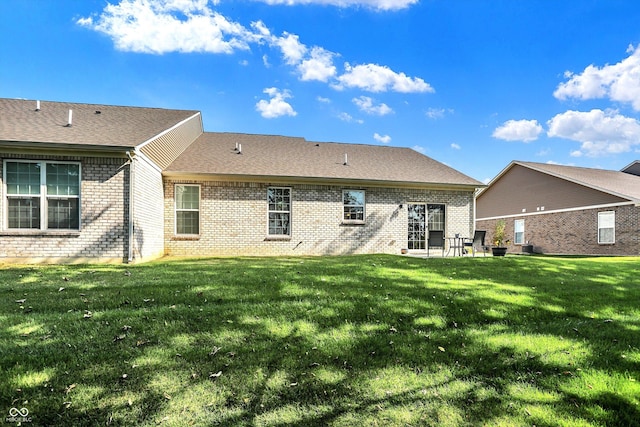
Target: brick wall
[[104, 215], [573, 232], [233, 220]]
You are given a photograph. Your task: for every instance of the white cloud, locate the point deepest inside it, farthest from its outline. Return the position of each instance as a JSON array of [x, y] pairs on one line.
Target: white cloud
[[292, 50], [276, 106], [372, 4], [419, 149], [435, 113], [323, 100], [438, 113], [259, 26], [319, 66], [455, 146], [148, 26], [346, 117], [378, 78], [619, 82], [518, 130], [162, 26], [366, 105], [599, 132], [385, 139], [312, 64]]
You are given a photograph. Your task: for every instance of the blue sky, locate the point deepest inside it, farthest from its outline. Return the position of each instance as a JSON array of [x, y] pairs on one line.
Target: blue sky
[[474, 84]]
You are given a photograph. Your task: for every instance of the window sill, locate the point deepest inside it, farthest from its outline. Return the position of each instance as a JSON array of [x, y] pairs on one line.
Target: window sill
[[352, 222], [186, 237], [40, 233], [277, 238]]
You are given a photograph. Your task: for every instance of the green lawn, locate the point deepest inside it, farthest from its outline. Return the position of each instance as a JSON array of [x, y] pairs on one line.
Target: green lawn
[[343, 341]]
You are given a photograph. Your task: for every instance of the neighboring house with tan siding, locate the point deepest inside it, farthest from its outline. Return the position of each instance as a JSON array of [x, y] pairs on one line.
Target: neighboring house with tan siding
[[633, 168], [564, 209], [83, 182]]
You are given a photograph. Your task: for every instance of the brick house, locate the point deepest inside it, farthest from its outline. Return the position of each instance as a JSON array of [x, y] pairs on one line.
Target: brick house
[[83, 182], [564, 209]]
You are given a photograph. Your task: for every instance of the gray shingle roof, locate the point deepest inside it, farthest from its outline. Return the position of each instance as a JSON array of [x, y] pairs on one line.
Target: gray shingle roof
[[614, 182], [119, 127], [113, 126], [279, 156]]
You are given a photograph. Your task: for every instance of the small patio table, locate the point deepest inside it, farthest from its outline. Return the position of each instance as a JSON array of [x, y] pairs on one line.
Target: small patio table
[[456, 244]]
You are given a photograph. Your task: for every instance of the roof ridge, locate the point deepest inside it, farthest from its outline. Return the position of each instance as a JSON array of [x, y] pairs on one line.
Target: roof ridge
[[302, 138], [95, 104], [564, 166]]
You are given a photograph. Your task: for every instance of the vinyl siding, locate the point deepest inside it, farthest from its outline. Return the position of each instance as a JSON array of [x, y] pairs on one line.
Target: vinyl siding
[[148, 212], [633, 168], [523, 190], [168, 146]]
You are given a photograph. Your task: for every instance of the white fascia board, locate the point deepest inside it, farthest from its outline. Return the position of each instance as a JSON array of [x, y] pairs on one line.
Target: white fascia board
[[139, 154]]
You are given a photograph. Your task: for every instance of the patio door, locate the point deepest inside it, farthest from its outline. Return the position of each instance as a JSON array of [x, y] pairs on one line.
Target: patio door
[[417, 233]]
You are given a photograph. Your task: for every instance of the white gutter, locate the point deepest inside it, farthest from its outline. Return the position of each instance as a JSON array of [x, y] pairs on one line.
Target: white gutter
[[131, 204]]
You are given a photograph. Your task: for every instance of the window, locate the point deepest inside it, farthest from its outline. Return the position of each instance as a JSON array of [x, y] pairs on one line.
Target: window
[[606, 227], [417, 237], [42, 195], [279, 201], [518, 227], [353, 202], [435, 217], [187, 209]]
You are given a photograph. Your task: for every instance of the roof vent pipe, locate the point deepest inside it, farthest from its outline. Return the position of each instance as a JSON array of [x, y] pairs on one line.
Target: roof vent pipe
[[38, 105], [239, 148], [236, 149], [346, 160], [70, 121]]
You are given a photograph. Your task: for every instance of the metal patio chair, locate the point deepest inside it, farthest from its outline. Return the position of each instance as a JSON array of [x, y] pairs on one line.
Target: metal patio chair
[[477, 243], [435, 240]]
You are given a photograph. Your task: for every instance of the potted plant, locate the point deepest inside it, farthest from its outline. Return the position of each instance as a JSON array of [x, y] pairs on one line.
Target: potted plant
[[498, 239]]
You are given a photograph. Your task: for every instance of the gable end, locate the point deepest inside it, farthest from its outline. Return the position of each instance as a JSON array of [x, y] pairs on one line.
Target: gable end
[[523, 190]]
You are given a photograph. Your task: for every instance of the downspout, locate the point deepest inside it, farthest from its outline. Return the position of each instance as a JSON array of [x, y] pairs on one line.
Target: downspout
[[131, 193]]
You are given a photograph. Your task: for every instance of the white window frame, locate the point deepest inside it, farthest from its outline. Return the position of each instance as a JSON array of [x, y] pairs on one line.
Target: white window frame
[[611, 217], [176, 210], [345, 205], [276, 211], [518, 228], [43, 195]]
